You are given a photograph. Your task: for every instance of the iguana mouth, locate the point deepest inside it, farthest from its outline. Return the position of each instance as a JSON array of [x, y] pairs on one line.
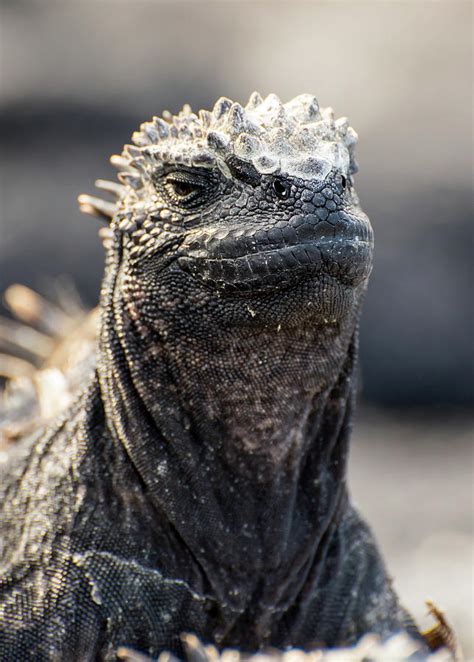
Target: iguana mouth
[[239, 258]]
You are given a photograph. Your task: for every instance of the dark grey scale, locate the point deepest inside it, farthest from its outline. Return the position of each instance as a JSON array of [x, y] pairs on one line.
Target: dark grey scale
[[331, 267], [261, 236], [301, 255], [338, 217], [275, 236], [289, 259], [314, 253], [250, 243], [290, 236], [215, 269], [337, 224], [322, 213], [297, 220], [306, 195], [325, 229], [248, 265], [253, 264], [266, 204], [306, 231], [251, 204], [275, 262], [319, 200], [306, 208], [229, 270]]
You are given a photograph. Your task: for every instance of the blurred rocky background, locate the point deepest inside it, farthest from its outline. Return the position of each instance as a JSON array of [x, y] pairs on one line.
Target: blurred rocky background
[[77, 77]]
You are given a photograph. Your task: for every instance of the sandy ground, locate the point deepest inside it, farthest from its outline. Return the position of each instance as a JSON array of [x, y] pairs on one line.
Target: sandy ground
[[411, 475]]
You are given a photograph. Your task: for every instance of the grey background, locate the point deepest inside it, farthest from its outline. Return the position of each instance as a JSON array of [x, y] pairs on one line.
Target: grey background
[[78, 77]]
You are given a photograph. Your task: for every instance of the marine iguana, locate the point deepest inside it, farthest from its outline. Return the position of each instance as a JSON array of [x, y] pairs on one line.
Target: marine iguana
[[198, 482]]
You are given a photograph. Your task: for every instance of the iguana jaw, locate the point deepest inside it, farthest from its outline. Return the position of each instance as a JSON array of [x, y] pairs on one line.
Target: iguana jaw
[[265, 255]]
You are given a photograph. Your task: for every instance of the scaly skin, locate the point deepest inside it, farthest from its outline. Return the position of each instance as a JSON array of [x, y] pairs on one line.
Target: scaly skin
[[198, 482]]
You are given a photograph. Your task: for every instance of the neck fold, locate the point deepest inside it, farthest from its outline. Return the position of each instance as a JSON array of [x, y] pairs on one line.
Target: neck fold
[[240, 436], [241, 442]]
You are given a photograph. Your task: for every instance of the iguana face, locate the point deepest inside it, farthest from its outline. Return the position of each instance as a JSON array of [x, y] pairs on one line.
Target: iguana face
[[244, 201]]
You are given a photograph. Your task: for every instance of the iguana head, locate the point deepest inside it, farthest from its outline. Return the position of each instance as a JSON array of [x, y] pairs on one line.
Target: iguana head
[[245, 201]]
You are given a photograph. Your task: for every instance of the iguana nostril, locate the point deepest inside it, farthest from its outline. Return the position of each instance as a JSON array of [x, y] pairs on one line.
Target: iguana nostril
[[281, 188]]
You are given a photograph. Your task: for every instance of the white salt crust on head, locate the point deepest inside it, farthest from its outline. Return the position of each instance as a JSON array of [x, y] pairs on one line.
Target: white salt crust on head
[[297, 138]]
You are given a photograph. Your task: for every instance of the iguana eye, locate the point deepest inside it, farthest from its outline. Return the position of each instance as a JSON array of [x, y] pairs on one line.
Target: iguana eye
[[186, 189], [181, 189]]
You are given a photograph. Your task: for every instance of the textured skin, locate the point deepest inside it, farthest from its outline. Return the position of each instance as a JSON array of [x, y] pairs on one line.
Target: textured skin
[[198, 482]]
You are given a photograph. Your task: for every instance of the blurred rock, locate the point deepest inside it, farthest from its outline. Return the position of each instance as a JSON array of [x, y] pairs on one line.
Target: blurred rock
[[410, 474]]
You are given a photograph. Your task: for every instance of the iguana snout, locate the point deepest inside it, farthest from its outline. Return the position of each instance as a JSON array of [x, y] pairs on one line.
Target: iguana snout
[[313, 230]]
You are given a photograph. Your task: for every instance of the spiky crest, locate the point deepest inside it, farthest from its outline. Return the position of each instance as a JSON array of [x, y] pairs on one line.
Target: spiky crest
[[297, 138]]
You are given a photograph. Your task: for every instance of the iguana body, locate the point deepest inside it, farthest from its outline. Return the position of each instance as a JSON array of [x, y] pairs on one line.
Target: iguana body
[[198, 482]]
